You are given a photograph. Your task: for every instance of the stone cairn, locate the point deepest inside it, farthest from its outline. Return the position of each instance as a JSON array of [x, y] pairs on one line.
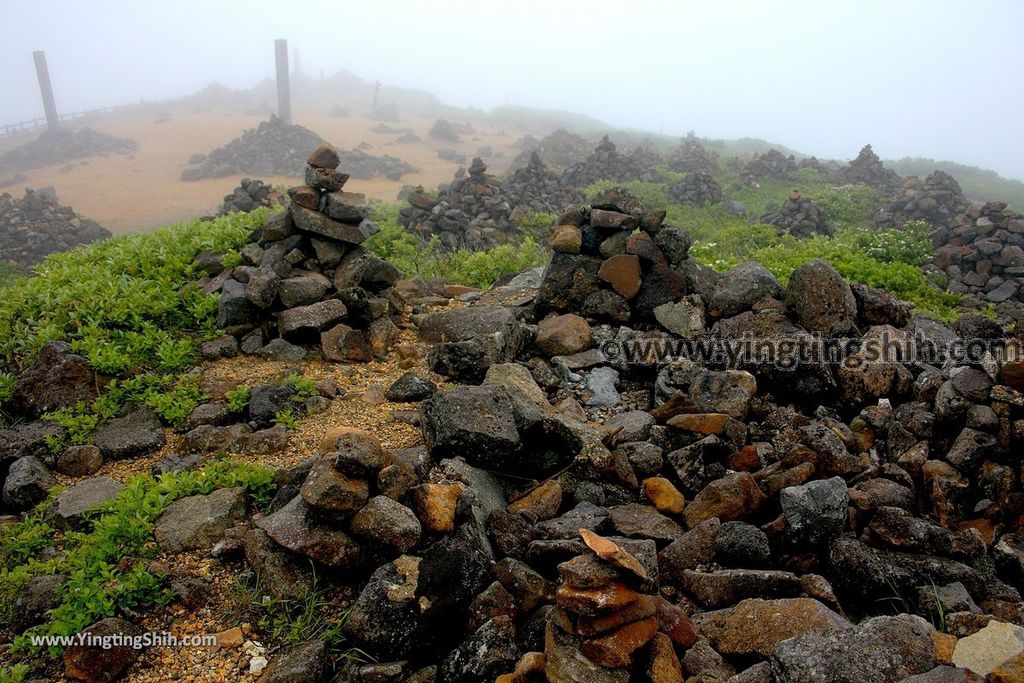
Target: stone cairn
[[62, 145], [697, 188], [799, 216], [472, 212], [982, 253], [614, 260], [937, 199], [691, 157], [364, 166], [560, 150], [771, 164], [251, 194], [867, 169], [271, 148], [305, 278], [606, 163], [536, 189], [35, 226]]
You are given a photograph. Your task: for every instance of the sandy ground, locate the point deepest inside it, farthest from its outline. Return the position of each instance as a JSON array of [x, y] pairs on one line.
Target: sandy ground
[[144, 190]]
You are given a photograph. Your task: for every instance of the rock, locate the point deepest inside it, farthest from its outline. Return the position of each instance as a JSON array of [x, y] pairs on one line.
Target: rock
[[474, 422], [27, 484], [58, 379], [30, 438], [642, 521], [734, 496], [266, 401], [729, 586], [305, 663], [564, 663], [304, 322], [279, 349], [491, 650], [815, 512], [198, 522], [741, 545], [35, 599], [95, 664], [754, 627], [343, 344], [663, 495], [692, 549], [332, 493], [410, 388], [280, 573], [878, 649], [615, 649], [294, 528], [469, 340], [989, 648], [542, 502], [388, 522], [384, 618], [822, 300], [740, 288], [601, 385], [622, 272], [70, 507], [436, 505], [684, 318], [563, 335], [137, 433]]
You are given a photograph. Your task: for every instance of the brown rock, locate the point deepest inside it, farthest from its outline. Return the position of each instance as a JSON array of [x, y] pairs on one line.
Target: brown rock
[[1011, 671], [622, 272], [333, 493], [613, 554], [436, 504], [701, 423], [755, 626], [543, 501], [305, 197], [587, 571], [615, 650], [529, 666], [664, 666], [592, 602], [343, 344], [945, 643], [566, 239], [563, 335], [732, 497], [94, 664], [674, 623], [1012, 374], [663, 495], [324, 156], [642, 608]]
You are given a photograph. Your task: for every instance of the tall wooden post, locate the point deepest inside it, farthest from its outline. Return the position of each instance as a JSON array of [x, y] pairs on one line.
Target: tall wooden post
[[43, 74], [284, 95], [376, 93]]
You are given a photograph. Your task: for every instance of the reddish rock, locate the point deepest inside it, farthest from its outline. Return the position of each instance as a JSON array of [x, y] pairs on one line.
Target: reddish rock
[[663, 495], [435, 505], [613, 554], [674, 623], [664, 666], [324, 156], [615, 650], [566, 239], [543, 501], [734, 496], [622, 272], [701, 423], [592, 602], [563, 335]]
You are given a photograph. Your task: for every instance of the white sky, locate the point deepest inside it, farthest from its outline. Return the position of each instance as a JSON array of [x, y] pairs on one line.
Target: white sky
[[934, 78]]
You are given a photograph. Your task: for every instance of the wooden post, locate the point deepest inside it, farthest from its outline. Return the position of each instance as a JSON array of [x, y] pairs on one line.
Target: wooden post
[[376, 92], [43, 74], [284, 96]]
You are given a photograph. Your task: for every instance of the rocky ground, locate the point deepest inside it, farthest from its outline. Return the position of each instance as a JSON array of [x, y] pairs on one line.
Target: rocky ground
[[36, 225], [61, 146], [543, 481]]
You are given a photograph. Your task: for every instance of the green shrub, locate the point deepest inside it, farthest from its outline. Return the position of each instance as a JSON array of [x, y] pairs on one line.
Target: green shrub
[[105, 563], [847, 204], [238, 398]]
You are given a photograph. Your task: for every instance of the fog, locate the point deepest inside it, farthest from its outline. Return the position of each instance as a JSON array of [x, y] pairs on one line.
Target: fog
[[933, 78]]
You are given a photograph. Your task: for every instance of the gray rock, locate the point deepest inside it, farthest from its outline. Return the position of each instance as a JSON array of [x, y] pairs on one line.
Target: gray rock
[[305, 663], [279, 349], [79, 461], [386, 521], [878, 650], [281, 574], [30, 438], [469, 340], [35, 599], [601, 385], [71, 506], [815, 512], [294, 528], [301, 322], [486, 654], [821, 299], [643, 521], [741, 287], [384, 619], [101, 665], [739, 544], [28, 483], [302, 289], [198, 522], [410, 388], [58, 379], [267, 401], [137, 433], [476, 423]]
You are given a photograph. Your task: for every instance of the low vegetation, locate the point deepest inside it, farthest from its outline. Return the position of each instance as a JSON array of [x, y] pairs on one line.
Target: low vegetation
[[105, 563]]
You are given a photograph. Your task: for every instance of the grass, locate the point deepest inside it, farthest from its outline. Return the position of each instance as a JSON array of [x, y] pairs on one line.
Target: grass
[[106, 562]]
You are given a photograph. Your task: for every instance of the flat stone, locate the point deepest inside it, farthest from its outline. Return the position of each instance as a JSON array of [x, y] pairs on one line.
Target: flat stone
[[754, 627]]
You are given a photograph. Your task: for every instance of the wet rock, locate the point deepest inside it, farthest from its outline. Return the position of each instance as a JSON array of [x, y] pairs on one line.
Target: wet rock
[[740, 288], [388, 522], [485, 654], [815, 512], [734, 496], [294, 528], [384, 618]]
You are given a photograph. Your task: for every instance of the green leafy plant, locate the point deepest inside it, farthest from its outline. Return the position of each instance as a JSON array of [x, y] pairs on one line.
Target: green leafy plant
[[238, 398], [303, 387], [287, 419]]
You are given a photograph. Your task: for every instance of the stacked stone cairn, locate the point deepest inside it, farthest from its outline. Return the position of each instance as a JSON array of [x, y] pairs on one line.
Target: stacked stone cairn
[[691, 157], [937, 199], [472, 212], [697, 188], [306, 279], [560, 150], [536, 189], [606, 163], [799, 216], [251, 194], [771, 164], [982, 253], [867, 169], [272, 148], [35, 226]]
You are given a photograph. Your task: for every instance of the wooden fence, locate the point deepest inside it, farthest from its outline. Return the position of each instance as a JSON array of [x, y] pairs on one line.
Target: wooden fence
[[33, 125]]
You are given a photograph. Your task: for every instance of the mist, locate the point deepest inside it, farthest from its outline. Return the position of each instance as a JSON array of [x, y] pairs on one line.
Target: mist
[[931, 79]]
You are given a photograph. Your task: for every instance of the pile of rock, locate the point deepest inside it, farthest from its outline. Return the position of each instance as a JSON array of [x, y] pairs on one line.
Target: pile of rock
[[472, 212], [63, 145], [615, 260], [799, 216], [443, 130], [867, 169], [691, 157], [982, 253], [306, 279], [559, 150], [364, 166], [536, 189], [937, 199], [771, 164], [606, 163], [697, 188], [251, 194], [35, 226], [272, 148]]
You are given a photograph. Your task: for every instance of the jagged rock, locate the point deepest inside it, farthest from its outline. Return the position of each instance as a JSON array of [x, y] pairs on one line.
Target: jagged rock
[[71, 506], [474, 422], [198, 522], [27, 484], [95, 664], [58, 379], [137, 433]]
